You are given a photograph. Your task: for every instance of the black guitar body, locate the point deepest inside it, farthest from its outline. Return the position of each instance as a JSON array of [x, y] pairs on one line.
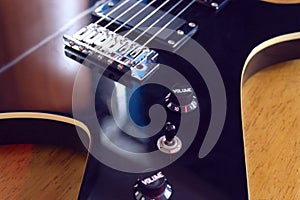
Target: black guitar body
[[203, 57], [217, 171]]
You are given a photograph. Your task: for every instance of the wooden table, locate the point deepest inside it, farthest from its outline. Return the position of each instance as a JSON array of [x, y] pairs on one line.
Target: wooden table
[[271, 114], [40, 172]]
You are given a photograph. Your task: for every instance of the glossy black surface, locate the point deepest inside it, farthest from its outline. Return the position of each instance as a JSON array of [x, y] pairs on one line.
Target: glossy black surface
[[228, 37]]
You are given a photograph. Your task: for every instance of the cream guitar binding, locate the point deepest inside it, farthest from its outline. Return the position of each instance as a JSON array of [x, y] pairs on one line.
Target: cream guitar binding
[[271, 52], [43, 128], [205, 49]]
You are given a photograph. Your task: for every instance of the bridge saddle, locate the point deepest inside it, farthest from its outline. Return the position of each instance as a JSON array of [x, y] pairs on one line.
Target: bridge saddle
[[104, 47]]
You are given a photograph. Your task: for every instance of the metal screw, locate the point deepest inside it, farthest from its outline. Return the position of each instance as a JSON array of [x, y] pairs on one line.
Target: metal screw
[[171, 42], [91, 52], [140, 67], [180, 32], [100, 57], [192, 24], [81, 48], [120, 67], [110, 62], [215, 5], [110, 4]]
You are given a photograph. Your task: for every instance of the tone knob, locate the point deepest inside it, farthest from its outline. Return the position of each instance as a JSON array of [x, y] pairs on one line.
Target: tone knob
[[155, 187], [181, 99]]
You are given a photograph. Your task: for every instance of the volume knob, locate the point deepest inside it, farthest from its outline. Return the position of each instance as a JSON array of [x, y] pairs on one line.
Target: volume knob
[[181, 99], [155, 187]]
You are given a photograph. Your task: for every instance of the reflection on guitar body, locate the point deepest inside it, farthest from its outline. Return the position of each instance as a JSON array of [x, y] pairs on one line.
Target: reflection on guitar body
[[136, 69]]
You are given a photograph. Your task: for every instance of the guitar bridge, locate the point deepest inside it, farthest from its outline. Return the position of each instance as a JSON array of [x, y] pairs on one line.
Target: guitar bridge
[[97, 46]]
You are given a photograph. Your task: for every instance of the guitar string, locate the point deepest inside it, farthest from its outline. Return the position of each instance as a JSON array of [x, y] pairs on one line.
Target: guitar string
[[167, 24], [158, 20], [146, 18], [111, 12], [47, 39], [136, 14], [125, 12]]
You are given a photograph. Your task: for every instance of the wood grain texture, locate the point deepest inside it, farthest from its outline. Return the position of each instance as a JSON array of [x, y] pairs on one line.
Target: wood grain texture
[[44, 79], [40, 172], [271, 121], [283, 1]]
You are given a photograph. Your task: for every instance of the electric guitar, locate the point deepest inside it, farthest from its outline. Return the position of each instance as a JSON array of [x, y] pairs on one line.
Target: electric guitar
[[159, 90]]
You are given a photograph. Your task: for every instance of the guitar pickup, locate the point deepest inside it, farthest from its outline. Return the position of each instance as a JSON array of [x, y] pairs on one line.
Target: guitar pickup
[[97, 46], [173, 36]]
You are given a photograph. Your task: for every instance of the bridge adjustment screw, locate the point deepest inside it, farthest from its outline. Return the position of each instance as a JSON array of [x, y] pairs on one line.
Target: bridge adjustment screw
[[171, 42], [192, 24], [81, 48], [120, 67], [180, 32], [110, 4], [215, 5]]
